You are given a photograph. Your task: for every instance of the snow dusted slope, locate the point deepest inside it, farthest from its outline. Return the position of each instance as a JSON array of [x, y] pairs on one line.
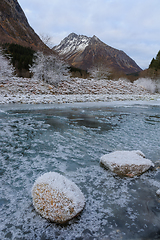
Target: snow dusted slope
[[72, 44]]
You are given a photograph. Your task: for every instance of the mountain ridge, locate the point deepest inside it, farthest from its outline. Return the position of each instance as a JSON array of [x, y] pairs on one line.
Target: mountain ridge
[[87, 52]]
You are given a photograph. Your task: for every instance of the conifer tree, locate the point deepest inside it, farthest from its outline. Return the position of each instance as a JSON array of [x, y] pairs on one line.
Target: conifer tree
[[155, 63]]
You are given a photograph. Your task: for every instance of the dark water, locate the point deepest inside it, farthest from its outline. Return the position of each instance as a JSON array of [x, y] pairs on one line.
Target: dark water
[[70, 139]]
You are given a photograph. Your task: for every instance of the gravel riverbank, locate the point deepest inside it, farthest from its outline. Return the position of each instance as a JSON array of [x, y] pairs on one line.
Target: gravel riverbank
[[30, 91]]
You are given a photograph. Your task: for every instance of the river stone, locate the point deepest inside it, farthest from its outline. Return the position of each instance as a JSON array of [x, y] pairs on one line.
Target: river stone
[[56, 198], [126, 163], [158, 192]]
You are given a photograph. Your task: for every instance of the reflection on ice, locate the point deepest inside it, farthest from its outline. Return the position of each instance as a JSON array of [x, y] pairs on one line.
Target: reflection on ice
[[70, 140]]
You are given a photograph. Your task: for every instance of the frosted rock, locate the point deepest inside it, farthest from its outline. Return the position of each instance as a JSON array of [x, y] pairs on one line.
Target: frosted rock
[[158, 192], [126, 163], [56, 198]]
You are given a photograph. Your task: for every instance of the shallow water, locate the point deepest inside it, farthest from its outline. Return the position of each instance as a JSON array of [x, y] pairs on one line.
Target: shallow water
[[70, 139]]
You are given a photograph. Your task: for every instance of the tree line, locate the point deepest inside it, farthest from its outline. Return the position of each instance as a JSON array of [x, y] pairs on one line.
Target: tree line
[[21, 57], [155, 63], [27, 62]]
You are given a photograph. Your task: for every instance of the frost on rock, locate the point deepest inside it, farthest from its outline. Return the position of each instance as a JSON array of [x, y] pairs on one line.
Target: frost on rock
[[158, 192], [126, 163], [56, 198]]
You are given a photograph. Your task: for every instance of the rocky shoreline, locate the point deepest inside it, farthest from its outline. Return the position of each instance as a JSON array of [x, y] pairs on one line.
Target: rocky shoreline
[[30, 91]]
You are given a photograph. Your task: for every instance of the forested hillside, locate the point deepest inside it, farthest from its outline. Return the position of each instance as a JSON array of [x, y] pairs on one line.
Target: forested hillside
[[21, 58], [155, 63]]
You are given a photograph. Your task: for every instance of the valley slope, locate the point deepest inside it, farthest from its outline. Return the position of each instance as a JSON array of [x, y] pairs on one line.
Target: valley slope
[[14, 27]]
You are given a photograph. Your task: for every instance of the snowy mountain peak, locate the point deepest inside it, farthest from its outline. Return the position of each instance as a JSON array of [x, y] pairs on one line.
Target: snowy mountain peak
[[96, 38], [72, 35], [72, 44], [87, 52]]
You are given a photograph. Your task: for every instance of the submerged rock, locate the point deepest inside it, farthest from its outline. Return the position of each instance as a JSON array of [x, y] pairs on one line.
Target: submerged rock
[[126, 163], [56, 198]]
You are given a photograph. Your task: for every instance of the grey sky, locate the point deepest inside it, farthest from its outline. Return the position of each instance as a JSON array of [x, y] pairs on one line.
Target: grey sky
[[129, 25]]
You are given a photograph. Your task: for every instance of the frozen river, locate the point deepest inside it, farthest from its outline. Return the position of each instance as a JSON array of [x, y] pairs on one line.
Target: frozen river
[[70, 139]]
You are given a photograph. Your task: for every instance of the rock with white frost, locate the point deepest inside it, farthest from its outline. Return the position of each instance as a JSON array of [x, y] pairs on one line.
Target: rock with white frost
[[158, 192], [56, 198], [126, 163]]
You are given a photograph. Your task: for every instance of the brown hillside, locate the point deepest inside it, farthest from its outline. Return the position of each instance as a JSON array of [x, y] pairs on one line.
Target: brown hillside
[[14, 27]]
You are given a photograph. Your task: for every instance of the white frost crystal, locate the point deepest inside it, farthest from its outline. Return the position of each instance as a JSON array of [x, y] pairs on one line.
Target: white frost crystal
[[126, 163], [57, 198]]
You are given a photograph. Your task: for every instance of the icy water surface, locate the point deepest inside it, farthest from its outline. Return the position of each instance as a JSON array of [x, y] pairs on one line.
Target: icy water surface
[[70, 139]]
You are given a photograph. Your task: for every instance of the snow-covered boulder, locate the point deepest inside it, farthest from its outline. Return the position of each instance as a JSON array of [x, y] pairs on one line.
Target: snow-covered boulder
[[126, 163], [56, 198]]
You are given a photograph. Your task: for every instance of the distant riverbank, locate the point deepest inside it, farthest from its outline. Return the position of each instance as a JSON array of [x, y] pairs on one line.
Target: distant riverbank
[[30, 91]]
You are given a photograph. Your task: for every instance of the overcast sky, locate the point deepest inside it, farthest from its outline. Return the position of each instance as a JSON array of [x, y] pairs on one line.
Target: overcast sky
[[129, 25]]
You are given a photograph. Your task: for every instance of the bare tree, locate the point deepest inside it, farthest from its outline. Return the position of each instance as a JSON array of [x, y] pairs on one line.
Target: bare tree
[[47, 39], [100, 72], [49, 68]]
